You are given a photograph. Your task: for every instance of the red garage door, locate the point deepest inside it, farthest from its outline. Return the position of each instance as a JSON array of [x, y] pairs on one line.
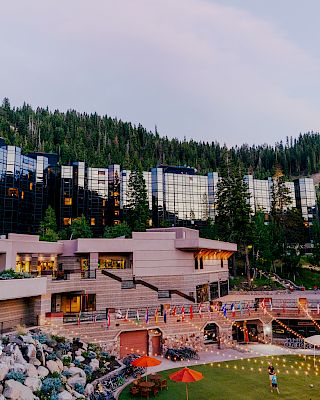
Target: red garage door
[[133, 342]]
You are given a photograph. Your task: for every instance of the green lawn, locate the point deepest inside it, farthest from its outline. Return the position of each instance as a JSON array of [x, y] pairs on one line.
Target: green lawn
[[247, 380]]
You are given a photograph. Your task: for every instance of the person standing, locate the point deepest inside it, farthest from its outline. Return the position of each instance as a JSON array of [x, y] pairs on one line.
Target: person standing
[[274, 383], [271, 372]]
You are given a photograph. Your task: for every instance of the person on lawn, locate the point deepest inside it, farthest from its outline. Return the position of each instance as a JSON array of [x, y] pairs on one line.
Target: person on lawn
[[271, 372], [274, 383]]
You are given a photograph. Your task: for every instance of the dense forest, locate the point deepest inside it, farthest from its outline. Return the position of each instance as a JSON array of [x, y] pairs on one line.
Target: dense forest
[[102, 140]]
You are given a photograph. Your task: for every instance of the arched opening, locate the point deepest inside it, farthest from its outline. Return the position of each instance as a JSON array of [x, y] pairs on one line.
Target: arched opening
[[211, 333]]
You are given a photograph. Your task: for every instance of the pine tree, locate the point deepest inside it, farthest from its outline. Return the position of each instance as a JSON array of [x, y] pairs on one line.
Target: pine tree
[[234, 213], [137, 213], [117, 231], [48, 226], [80, 228]]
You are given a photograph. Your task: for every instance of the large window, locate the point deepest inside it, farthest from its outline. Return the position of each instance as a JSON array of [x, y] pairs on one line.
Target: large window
[[214, 290], [224, 288], [202, 293], [109, 263]]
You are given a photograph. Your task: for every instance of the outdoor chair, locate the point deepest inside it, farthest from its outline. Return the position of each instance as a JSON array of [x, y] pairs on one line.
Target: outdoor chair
[[155, 391], [163, 384], [134, 391], [145, 392]]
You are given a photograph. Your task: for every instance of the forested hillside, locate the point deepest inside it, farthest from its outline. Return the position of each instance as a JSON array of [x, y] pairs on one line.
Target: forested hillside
[[102, 140]]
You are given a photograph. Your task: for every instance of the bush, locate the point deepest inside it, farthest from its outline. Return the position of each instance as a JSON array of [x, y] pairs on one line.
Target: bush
[[51, 384], [41, 338], [66, 360], [79, 388], [51, 356], [67, 374], [58, 339], [11, 274], [17, 376], [77, 363]]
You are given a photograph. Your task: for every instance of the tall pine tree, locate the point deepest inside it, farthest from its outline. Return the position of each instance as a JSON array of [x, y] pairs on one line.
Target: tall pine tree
[[234, 213], [137, 213]]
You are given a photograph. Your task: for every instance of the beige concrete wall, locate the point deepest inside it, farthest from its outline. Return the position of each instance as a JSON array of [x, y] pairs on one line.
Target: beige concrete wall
[[17, 288]]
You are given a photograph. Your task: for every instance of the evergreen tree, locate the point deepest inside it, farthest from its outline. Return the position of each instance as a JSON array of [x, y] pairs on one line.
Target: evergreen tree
[[80, 228], [117, 231], [234, 213], [137, 213], [262, 241], [315, 235], [48, 226]]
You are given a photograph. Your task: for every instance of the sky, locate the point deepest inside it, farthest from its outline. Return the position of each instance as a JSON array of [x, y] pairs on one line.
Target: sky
[[238, 71]]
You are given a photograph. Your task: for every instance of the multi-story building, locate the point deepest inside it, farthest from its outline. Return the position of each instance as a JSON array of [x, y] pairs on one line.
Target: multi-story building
[[180, 197], [23, 190], [165, 266], [177, 196], [306, 198], [165, 285]]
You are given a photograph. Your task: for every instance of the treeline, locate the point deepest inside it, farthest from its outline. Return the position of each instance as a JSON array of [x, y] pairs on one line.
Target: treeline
[[102, 140]]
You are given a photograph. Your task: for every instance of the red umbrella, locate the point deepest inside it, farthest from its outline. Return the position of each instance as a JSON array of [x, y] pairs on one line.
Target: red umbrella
[[145, 362], [186, 375]]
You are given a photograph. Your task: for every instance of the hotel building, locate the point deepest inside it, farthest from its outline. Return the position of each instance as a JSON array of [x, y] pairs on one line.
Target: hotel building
[[177, 196]]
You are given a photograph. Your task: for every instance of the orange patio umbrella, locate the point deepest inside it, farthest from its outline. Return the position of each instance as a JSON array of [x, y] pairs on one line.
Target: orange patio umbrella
[[186, 375], [145, 362]]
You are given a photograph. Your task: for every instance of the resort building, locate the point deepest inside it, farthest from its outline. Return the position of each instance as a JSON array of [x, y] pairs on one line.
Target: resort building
[[160, 266], [177, 196], [164, 287]]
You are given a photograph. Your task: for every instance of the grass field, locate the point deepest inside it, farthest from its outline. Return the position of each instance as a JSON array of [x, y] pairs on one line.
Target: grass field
[[248, 380]]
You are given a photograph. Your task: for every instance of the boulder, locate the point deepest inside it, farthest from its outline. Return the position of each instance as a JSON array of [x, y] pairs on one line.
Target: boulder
[[60, 364], [15, 390], [76, 370], [4, 369], [80, 358], [89, 390], [94, 364], [28, 339], [31, 351], [47, 348], [40, 354], [65, 395], [31, 370], [52, 366], [17, 367], [42, 371], [77, 379], [33, 383], [77, 395], [35, 361], [16, 340], [18, 357]]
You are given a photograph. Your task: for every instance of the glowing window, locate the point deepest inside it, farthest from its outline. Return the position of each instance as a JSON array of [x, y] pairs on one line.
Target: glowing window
[[68, 201]]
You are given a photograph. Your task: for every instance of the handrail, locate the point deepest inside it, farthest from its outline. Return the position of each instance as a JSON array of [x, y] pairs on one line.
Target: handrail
[[149, 285]]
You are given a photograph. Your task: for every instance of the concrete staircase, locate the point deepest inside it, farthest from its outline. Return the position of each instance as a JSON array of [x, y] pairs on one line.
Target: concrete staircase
[[98, 332]]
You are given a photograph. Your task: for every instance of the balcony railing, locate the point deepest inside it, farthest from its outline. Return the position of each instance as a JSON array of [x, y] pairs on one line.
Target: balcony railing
[[90, 274]]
